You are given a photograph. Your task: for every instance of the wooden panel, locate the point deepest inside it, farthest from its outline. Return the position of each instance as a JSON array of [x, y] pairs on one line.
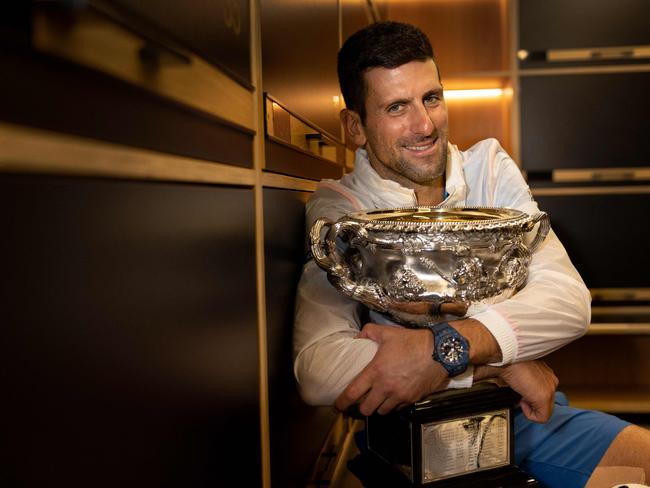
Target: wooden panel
[[621, 328], [129, 346], [299, 46], [617, 381], [583, 23], [52, 94], [273, 180], [603, 236], [614, 400], [623, 362], [545, 189], [218, 31], [475, 119], [15, 23], [91, 39], [27, 150], [286, 127], [568, 121], [355, 15], [285, 159], [298, 431], [601, 175], [467, 35]]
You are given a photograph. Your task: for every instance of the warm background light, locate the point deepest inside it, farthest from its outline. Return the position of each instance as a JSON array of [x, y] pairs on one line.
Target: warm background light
[[477, 93]]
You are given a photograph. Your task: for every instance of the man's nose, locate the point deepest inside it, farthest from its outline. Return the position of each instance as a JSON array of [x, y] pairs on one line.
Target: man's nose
[[421, 122]]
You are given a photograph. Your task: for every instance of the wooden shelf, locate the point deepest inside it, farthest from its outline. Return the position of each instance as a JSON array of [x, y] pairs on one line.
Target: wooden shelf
[[615, 400], [621, 328], [620, 320]]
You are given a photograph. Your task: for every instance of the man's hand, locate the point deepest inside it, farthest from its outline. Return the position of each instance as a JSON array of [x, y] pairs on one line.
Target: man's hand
[[401, 372], [533, 380], [536, 383]]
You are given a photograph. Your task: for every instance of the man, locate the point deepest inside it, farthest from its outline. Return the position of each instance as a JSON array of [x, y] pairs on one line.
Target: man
[[396, 114]]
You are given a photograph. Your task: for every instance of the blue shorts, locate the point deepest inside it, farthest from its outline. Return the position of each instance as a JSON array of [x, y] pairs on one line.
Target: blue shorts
[[564, 451]]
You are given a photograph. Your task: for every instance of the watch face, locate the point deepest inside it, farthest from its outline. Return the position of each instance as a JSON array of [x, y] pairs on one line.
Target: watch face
[[452, 350]]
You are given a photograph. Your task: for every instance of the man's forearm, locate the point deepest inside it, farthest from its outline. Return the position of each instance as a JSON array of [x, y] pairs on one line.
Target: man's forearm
[[483, 347]]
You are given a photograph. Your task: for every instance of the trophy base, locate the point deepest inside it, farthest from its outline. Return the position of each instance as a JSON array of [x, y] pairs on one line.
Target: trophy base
[[453, 438], [374, 473]]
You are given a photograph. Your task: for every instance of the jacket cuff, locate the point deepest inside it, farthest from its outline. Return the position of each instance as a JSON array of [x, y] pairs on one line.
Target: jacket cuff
[[503, 331], [463, 380]]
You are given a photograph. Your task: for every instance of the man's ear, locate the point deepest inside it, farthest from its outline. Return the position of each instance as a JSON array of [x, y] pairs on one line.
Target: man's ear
[[353, 127]]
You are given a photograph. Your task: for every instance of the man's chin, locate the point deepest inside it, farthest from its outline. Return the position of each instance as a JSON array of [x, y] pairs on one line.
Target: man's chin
[[424, 171], [424, 178]]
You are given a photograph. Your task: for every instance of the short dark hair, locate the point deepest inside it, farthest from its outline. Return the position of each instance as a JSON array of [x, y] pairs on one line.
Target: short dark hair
[[382, 44]]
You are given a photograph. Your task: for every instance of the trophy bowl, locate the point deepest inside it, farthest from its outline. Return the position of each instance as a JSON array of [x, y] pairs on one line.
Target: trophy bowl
[[420, 265]]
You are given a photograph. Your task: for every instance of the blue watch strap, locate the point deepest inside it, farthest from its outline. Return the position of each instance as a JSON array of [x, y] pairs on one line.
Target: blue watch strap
[[450, 348]]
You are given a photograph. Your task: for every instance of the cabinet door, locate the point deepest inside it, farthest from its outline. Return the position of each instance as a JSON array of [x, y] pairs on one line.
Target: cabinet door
[[355, 15], [297, 430], [217, 31], [558, 24], [46, 92], [129, 344], [584, 121], [605, 236], [299, 47]]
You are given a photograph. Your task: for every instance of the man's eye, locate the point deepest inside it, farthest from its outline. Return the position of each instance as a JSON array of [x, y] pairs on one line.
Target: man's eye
[[395, 108], [431, 99]]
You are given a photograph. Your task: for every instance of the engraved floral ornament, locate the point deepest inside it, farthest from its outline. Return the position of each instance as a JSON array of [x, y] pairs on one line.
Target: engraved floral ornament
[[417, 264]]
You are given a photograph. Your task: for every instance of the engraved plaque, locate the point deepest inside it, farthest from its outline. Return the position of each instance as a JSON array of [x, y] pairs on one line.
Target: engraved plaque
[[465, 445]]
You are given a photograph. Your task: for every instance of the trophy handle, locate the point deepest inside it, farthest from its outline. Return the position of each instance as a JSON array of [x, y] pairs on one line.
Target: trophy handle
[[318, 248], [327, 256], [542, 230]]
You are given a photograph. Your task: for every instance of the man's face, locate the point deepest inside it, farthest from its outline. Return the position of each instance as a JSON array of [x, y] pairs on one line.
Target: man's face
[[406, 129]]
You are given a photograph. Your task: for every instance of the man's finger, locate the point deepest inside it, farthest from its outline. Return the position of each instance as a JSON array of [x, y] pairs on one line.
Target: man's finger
[[388, 406], [527, 410], [373, 400], [370, 331], [535, 413], [353, 392]]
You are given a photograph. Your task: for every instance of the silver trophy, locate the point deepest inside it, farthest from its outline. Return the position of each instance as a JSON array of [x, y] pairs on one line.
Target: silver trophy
[[420, 265]]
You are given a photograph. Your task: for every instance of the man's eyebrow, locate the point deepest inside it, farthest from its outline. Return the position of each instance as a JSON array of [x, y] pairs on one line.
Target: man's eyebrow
[[398, 100], [435, 91]]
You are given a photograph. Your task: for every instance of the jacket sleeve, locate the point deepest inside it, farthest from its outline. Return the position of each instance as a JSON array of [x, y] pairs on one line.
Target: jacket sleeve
[[553, 308], [327, 355]]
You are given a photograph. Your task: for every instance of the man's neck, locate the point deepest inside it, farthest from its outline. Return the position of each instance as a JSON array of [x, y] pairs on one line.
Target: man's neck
[[431, 195]]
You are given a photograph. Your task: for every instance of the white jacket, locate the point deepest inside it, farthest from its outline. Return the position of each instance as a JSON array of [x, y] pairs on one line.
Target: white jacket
[[551, 310]]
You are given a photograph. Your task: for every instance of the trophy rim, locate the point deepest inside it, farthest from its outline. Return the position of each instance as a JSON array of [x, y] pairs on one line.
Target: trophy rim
[[449, 218]]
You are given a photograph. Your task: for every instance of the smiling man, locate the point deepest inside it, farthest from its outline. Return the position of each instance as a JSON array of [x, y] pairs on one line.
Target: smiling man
[[396, 114], [405, 127]]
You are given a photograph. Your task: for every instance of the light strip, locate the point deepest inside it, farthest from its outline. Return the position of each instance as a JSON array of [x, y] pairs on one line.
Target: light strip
[[602, 174], [478, 93]]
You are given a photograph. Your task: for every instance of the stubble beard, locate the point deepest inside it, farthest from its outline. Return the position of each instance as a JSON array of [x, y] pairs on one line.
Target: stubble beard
[[423, 173], [408, 172]]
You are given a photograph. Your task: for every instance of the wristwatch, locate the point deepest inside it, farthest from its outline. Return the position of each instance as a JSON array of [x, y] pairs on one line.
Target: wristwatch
[[450, 348]]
